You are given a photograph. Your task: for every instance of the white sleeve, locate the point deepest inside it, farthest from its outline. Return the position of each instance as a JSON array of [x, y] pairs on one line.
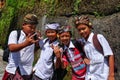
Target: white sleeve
[[42, 42], [12, 38], [105, 45]]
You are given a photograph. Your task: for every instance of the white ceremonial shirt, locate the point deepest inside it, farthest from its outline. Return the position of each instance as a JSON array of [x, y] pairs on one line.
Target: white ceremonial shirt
[[98, 68], [44, 66]]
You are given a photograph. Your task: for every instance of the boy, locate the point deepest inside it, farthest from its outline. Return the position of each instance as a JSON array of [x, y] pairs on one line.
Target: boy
[[22, 51], [71, 54], [44, 68], [99, 66]]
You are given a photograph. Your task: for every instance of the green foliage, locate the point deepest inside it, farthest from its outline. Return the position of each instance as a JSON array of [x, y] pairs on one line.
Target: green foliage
[[98, 14], [47, 1], [5, 22], [25, 4], [51, 6], [69, 73], [76, 6]]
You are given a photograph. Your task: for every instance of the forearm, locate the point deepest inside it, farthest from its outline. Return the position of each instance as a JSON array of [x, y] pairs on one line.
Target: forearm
[[58, 62], [17, 47], [111, 65]]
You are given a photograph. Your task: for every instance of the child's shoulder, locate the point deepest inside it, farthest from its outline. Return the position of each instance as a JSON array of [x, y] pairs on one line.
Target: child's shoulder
[[14, 31], [45, 40], [99, 35]]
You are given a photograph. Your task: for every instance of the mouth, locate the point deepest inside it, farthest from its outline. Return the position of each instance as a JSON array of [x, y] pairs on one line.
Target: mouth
[[83, 35], [65, 42]]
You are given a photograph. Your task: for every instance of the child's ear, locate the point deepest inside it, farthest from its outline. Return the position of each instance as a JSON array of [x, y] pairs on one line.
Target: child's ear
[[58, 36]]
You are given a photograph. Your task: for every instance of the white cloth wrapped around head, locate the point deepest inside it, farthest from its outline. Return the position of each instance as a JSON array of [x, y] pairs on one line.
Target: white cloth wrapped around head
[[54, 26]]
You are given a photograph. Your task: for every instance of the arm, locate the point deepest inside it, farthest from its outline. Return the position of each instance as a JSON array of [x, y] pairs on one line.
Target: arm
[[16, 47], [87, 61], [111, 68], [108, 52], [57, 53]]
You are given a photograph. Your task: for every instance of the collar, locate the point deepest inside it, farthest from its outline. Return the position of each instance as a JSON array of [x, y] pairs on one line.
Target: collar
[[22, 32], [52, 41], [55, 42], [90, 37], [70, 46]]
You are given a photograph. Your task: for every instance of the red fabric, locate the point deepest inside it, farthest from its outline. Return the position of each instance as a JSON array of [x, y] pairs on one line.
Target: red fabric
[[75, 78], [17, 76], [6, 75], [78, 65]]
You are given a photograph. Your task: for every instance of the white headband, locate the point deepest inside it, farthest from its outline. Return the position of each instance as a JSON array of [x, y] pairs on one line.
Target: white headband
[[54, 26]]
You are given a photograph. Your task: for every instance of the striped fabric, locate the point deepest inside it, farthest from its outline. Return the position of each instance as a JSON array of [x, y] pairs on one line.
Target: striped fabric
[[74, 57]]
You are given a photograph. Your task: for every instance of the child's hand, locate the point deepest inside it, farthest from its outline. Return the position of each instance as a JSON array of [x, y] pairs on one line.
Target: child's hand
[[30, 39], [39, 36], [111, 77], [87, 61], [57, 51]]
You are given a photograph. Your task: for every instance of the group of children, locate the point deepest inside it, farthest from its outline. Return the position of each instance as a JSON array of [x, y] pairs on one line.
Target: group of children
[[57, 51]]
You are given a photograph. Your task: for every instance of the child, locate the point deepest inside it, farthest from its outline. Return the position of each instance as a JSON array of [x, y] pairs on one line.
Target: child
[[71, 54], [22, 51], [99, 66], [44, 68]]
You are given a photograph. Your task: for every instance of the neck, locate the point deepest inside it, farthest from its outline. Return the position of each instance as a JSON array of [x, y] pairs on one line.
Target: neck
[[53, 40]]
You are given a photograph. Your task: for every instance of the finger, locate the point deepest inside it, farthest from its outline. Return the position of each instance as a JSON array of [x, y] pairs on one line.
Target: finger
[[40, 38], [35, 41], [52, 46], [28, 35], [61, 50], [33, 34]]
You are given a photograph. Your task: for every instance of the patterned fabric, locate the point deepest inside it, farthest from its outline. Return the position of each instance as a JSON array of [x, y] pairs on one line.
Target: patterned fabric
[[16, 76], [74, 57]]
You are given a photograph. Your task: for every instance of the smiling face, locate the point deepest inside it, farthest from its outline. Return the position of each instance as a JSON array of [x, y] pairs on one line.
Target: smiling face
[[84, 30], [65, 38], [51, 34]]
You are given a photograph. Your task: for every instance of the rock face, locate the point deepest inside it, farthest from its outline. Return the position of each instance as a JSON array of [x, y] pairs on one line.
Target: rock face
[[110, 27]]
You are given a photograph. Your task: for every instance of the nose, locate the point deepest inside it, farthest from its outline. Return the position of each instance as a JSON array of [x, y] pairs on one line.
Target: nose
[[33, 30], [81, 31], [64, 38]]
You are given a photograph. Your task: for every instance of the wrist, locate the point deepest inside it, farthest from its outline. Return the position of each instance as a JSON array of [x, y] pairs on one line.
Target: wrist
[[111, 75]]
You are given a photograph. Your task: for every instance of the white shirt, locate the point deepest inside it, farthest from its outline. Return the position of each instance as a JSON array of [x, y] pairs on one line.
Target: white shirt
[[44, 66], [98, 68], [23, 58]]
